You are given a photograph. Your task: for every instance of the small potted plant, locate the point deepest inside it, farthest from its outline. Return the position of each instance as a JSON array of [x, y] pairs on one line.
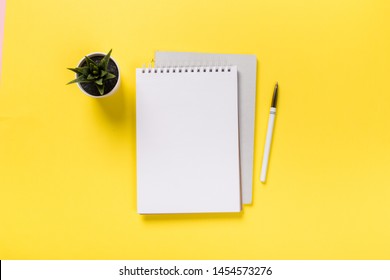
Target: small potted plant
[[97, 75]]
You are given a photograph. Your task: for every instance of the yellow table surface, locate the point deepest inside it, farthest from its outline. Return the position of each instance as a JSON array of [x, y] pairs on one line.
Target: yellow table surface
[[68, 162]]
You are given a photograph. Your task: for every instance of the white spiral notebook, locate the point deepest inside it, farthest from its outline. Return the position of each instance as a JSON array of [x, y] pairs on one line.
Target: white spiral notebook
[[187, 140]]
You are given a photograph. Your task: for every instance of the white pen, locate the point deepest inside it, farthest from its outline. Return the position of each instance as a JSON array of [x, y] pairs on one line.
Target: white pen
[[268, 140]]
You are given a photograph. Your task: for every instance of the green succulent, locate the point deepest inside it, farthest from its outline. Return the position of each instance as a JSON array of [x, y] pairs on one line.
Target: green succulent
[[94, 72]]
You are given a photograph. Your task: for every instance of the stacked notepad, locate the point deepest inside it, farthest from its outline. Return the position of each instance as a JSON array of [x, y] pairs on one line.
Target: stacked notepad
[[188, 141]]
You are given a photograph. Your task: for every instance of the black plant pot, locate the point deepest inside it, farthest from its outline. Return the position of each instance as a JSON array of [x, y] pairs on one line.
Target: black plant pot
[[110, 86]]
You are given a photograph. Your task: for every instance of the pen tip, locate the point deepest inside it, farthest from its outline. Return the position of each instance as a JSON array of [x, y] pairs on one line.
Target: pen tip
[[275, 96]]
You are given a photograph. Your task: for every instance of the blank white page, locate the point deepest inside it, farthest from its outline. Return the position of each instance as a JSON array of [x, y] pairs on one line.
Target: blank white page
[[187, 140], [246, 68]]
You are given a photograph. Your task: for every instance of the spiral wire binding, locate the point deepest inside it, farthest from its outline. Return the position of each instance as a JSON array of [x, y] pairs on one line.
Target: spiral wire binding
[[186, 67]]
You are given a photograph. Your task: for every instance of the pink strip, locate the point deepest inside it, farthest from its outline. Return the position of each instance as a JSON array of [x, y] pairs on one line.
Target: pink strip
[[2, 15]]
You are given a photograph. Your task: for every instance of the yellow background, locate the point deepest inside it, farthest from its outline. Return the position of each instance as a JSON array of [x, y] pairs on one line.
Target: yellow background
[[67, 161]]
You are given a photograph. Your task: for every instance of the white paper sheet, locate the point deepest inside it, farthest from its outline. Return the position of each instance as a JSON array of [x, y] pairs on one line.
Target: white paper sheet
[[246, 65], [187, 141]]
